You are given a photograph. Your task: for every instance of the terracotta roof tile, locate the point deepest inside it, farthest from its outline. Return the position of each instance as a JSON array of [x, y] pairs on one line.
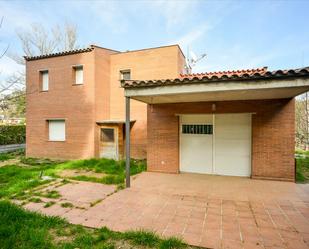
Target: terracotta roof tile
[[75, 51], [227, 73], [224, 76]]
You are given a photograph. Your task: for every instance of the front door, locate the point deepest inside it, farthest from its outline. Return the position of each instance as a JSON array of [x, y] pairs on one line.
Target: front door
[[109, 142]]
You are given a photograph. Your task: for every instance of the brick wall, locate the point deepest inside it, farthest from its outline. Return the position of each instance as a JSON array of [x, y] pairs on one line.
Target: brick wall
[[272, 135], [74, 103], [99, 98], [158, 63]]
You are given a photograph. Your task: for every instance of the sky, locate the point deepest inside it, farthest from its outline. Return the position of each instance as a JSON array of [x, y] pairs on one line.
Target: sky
[[234, 34]]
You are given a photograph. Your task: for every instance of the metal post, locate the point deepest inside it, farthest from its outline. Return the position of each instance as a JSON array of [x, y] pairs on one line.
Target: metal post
[[127, 142]]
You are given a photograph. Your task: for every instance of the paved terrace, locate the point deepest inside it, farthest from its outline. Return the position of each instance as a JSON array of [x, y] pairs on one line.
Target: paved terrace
[[208, 211]]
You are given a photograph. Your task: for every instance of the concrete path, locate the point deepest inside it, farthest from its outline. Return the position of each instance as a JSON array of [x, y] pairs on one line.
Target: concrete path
[[11, 147], [207, 211]]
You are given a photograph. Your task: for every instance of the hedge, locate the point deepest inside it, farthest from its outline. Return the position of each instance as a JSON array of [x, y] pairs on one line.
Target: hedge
[[12, 134]]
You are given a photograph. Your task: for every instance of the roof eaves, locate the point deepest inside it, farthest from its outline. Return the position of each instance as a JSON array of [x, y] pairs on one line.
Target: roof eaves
[[277, 74], [69, 52]]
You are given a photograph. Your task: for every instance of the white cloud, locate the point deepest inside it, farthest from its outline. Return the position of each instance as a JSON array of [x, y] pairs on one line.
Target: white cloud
[[175, 12], [110, 14], [189, 38], [14, 17]]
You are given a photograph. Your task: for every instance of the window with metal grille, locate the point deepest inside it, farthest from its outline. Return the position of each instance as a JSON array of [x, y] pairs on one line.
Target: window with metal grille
[[197, 129]]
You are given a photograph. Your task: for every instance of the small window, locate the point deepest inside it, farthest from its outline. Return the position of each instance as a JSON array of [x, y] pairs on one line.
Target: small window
[[56, 130], [79, 74], [44, 80], [107, 135], [197, 129], [125, 74]]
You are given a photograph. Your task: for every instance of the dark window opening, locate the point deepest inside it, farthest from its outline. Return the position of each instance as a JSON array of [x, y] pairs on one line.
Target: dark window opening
[[197, 129], [107, 135], [125, 74]]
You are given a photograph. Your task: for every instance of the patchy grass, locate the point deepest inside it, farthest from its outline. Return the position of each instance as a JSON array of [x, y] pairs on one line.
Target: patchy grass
[[23, 229], [52, 194], [114, 170], [302, 166], [5, 157], [15, 180], [35, 199], [39, 161], [49, 204], [10, 155], [142, 237], [67, 205]]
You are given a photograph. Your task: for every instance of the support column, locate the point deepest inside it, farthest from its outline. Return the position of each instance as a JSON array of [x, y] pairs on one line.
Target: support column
[[127, 142]]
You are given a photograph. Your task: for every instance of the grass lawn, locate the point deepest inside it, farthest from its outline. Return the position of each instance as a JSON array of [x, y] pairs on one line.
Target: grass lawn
[[20, 179], [26, 174], [24, 229], [302, 166], [11, 155]]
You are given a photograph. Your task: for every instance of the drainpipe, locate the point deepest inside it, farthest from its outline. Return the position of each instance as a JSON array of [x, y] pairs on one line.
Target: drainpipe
[[127, 142]]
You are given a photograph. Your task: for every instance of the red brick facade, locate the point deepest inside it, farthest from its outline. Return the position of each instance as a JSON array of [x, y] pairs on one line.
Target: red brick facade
[[99, 98], [272, 135]]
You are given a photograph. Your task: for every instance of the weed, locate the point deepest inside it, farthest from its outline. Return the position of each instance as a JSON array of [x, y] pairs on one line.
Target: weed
[[67, 205], [35, 200], [92, 204], [52, 194], [142, 237], [172, 243], [49, 204]]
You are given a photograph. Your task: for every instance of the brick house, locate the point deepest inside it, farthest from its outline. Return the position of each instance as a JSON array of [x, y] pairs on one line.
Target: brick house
[[75, 104], [238, 123]]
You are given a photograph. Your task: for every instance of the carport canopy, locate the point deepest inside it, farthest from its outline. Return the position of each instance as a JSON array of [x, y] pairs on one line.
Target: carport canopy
[[252, 84], [220, 86]]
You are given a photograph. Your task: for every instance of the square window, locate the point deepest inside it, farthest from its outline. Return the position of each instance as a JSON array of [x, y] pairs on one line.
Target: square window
[[107, 135], [44, 80], [125, 75], [56, 130]]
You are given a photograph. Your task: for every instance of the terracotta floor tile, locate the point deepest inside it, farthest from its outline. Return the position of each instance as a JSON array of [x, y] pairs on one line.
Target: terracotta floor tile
[[231, 244], [209, 206], [231, 234], [194, 229], [252, 245], [296, 244], [209, 242], [192, 238]]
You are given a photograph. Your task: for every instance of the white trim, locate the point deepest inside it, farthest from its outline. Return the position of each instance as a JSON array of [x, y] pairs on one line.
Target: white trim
[[57, 130], [216, 87]]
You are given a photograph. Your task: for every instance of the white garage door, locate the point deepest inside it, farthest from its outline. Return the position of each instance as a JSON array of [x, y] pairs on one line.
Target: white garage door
[[196, 143], [216, 144], [232, 144]]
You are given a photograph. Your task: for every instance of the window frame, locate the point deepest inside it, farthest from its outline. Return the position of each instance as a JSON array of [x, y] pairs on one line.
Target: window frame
[[48, 129], [74, 71], [102, 140], [124, 71], [41, 79], [197, 129]]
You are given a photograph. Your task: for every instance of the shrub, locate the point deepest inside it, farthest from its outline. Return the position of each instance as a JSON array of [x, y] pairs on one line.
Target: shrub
[[12, 134]]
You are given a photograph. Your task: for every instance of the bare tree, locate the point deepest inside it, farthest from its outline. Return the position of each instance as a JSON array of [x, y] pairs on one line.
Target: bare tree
[[3, 85], [302, 122], [37, 40]]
